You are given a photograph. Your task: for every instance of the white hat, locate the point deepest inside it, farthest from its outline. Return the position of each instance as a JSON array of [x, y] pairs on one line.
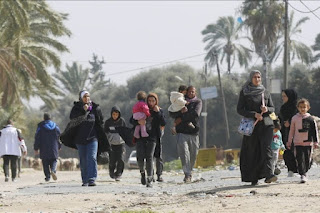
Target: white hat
[[177, 102]]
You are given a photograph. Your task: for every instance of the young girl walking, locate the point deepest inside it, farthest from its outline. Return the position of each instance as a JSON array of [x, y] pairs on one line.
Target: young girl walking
[[304, 132]]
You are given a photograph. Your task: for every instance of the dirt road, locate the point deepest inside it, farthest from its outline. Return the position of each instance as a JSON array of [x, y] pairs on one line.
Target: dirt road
[[211, 191]]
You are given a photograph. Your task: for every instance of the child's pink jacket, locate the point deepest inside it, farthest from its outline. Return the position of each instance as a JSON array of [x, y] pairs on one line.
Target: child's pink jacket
[[303, 131], [141, 106]]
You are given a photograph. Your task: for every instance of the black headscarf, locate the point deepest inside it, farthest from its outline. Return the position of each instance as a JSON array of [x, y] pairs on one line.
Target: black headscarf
[[289, 108], [249, 88]]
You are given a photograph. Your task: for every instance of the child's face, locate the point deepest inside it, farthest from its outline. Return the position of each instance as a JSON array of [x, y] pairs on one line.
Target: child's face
[[184, 92], [303, 108], [115, 115]]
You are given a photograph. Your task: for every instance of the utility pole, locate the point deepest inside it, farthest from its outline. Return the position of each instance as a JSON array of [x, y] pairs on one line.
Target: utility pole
[[223, 102], [266, 68], [285, 57], [204, 136]]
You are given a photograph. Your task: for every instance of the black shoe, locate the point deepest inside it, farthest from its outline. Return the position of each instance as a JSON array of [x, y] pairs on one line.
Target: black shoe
[[6, 179], [254, 183], [143, 178], [85, 184], [271, 179], [47, 179], [160, 179], [92, 184]]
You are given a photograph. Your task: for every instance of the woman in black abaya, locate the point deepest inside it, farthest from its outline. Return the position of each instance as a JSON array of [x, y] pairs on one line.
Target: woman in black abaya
[[255, 156], [287, 111]]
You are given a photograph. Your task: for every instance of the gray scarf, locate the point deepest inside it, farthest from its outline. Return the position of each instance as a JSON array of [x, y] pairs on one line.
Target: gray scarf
[[249, 89]]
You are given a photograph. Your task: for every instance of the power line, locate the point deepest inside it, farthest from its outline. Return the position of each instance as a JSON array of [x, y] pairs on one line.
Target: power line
[[310, 10], [155, 65], [303, 11]]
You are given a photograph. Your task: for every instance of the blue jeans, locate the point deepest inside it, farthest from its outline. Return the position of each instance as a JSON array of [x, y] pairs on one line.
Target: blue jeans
[[88, 161], [49, 165]]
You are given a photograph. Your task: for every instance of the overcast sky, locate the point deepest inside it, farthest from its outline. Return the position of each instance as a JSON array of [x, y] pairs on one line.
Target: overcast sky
[[135, 34]]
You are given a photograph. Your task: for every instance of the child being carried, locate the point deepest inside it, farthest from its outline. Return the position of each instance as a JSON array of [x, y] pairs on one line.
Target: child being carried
[[178, 102]]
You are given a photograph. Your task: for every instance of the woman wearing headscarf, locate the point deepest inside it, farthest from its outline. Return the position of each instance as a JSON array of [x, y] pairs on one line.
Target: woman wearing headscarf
[[256, 155], [146, 145], [287, 111], [89, 136]]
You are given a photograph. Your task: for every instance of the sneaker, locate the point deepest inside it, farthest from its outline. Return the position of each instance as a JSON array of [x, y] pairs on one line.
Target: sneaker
[[92, 184], [6, 179], [160, 179], [271, 179], [85, 184], [290, 174], [149, 182], [303, 179], [277, 171], [14, 180], [118, 178], [54, 176], [143, 178]]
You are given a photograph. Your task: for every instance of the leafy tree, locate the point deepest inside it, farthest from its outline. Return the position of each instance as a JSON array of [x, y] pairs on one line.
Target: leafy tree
[[224, 38]]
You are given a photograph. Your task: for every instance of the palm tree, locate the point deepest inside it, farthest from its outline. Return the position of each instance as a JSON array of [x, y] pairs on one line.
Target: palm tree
[[28, 46], [224, 38], [316, 47], [263, 19], [295, 47], [74, 79]]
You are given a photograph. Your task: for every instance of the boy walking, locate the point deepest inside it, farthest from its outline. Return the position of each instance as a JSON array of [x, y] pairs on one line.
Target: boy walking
[[47, 142], [117, 153]]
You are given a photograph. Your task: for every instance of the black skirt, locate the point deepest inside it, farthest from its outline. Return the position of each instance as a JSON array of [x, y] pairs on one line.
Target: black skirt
[[256, 155]]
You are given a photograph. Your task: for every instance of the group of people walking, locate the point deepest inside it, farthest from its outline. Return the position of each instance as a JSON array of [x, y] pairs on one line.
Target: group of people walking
[[90, 135], [299, 133]]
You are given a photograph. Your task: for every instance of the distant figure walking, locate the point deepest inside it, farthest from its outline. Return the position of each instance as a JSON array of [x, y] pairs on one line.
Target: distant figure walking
[[11, 144], [47, 143]]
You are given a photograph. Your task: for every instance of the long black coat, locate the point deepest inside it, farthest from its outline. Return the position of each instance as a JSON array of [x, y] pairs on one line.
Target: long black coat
[[255, 156]]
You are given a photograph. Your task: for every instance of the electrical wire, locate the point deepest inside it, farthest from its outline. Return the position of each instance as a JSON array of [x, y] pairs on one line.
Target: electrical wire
[[310, 10], [303, 11], [155, 65]]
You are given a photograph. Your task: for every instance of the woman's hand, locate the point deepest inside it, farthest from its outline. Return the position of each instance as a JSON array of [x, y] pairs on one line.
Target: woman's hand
[[258, 116], [156, 108], [286, 124], [85, 107], [264, 109], [184, 109]]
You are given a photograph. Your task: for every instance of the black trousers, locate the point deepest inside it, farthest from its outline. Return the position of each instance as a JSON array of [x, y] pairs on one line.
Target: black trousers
[[158, 157], [116, 160], [288, 156], [145, 151], [304, 159], [12, 159]]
